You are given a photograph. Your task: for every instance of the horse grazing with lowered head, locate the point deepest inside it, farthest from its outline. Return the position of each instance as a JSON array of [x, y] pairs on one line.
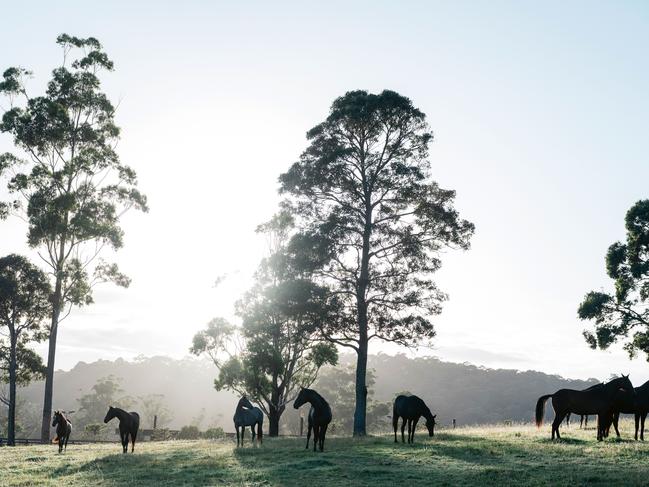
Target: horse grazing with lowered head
[[63, 430], [595, 400], [248, 415], [319, 416], [129, 423], [410, 409]]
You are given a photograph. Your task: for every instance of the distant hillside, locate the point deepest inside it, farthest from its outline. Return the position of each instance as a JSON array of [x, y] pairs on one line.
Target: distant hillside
[[466, 392]]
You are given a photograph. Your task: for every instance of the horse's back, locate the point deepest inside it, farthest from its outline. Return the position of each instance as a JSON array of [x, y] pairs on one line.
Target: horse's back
[[408, 406]]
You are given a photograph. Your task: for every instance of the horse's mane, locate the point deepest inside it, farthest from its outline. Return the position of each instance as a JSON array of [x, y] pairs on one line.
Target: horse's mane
[[60, 413]]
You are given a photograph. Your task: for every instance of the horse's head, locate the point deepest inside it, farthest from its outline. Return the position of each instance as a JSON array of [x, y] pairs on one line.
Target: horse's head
[[244, 402], [301, 398], [430, 424], [110, 414], [623, 382], [57, 418]]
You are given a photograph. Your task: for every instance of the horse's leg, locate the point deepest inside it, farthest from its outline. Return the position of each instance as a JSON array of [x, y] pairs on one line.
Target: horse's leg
[[67, 437], [558, 419], [124, 442], [636, 418], [581, 422], [133, 436], [616, 419], [243, 433], [237, 430], [414, 428], [568, 420], [403, 427], [323, 432], [308, 434], [395, 425], [409, 430], [252, 433], [316, 436], [644, 416], [586, 422]]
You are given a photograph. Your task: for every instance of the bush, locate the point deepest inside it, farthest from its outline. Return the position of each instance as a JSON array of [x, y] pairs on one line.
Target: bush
[[213, 433], [189, 433]]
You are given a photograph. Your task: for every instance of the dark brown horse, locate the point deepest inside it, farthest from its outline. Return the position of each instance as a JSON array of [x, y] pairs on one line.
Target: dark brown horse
[[63, 430], [410, 409], [129, 423], [248, 415], [597, 400], [634, 402], [319, 416]]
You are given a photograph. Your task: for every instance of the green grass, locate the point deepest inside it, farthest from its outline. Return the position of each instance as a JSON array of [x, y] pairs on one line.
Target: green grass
[[468, 456]]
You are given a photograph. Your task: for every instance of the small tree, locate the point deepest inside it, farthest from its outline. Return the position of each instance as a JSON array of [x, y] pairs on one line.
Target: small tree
[[373, 223], [189, 433], [106, 392], [623, 314], [68, 181], [337, 385], [276, 351], [94, 429], [153, 405], [24, 305]]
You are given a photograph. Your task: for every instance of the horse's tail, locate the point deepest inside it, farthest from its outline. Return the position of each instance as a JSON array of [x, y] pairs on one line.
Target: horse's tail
[[540, 409]]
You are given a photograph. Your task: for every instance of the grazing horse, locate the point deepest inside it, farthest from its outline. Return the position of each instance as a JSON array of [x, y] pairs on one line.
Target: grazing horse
[[129, 423], [319, 416], [596, 400], [410, 409], [248, 415], [63, 430], [634, 402]]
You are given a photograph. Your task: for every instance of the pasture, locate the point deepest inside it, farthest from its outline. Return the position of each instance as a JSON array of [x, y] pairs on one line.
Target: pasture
[[466, 456]]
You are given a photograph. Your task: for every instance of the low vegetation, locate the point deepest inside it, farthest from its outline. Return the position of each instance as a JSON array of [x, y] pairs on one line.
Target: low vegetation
[[465, 456]]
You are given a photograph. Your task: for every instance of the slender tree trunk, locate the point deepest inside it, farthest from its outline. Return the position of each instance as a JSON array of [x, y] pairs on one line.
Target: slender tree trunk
[[361, 304], [51, 356], [11, 416]]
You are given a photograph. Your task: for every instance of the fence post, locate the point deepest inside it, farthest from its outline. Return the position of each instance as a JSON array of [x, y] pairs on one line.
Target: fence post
[[453, 423], [155, 421]]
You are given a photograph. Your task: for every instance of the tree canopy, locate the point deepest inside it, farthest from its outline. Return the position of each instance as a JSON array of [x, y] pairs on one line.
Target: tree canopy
[[66, 178], [372, 223], [624, 313]]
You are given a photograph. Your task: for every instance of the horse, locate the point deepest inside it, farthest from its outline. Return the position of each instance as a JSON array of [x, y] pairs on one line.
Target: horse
[[596, 400], [410, 409], [248, 415], [634, 402], [129, 423], [319, 416], [584, 419], [63, 430]]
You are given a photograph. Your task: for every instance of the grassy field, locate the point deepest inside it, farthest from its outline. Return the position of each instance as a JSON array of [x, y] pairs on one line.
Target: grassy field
[[467, 456]]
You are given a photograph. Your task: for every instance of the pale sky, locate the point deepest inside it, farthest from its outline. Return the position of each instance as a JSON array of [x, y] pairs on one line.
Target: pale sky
[[539, 111]]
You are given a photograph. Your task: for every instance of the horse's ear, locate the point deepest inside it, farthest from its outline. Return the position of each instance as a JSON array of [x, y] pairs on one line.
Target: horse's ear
[[434, 416]]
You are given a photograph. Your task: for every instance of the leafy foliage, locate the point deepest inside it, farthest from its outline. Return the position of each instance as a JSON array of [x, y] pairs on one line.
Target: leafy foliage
[[24, 305], [623, 314], [106, 392], [372, 223], [336, 384], [275, 351], [66, 178]]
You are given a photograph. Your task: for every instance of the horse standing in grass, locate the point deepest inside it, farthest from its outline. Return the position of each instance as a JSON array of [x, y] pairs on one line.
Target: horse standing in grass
[[248, 415], [63, 430], [129, 423], [410, 409], [319, 416], [634, 402], [596, 400]]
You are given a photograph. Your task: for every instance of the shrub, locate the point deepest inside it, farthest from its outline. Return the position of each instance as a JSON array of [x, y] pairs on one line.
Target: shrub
[[189, 433]]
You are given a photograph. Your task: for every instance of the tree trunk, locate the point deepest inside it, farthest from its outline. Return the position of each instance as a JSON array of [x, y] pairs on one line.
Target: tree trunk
[[361, 390], [273, 422], [51, 356], [11, 415], [361, 310]]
